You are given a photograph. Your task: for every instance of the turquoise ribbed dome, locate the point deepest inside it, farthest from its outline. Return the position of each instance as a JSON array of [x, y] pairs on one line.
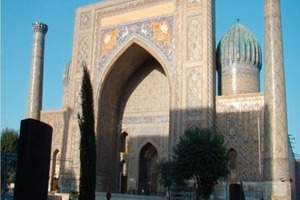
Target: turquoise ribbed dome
[[238, 47]]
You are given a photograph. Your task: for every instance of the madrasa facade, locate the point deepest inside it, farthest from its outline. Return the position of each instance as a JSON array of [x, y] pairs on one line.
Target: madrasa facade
[[156, 71]]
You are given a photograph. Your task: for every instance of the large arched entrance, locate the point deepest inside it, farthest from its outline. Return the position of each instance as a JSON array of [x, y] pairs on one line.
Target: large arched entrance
[[135, 98]]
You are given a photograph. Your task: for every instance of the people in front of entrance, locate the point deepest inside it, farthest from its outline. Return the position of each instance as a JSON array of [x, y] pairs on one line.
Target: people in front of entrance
[[108, 196]]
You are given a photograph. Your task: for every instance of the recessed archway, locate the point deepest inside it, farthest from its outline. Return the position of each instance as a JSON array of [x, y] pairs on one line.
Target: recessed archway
[[54, 173], [147, 174], [233, 164], [121, 82]]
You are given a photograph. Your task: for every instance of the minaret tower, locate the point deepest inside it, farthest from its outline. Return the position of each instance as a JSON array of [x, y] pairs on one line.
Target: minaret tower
[[276, 165], [37, 67]]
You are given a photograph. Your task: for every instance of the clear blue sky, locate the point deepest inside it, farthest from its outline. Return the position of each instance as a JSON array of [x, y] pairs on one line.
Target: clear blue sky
[[16, 46]]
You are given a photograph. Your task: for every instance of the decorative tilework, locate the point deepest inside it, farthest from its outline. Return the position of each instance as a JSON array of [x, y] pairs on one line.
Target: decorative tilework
[[57, 121], [83, 51], [77, 100], [194, 39], [231, 125], [194, 92], [210, 64], [240, 120], [239, 81], [85, 20], [145, 119], [34, 105], [148, 96], [75, 144], [276, 141], [156, 32]]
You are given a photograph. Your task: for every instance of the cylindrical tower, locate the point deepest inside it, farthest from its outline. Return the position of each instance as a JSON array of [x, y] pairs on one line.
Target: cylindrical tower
[[276, 165], [37, 67]]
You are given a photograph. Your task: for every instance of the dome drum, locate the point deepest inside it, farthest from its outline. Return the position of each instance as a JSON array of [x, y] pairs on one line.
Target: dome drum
[[239, 80]]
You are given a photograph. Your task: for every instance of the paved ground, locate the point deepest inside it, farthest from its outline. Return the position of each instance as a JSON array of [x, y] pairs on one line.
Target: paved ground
[[101, 196]]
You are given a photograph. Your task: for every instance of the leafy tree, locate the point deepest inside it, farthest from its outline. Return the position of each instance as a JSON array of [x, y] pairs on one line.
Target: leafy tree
[[164, 169], [9, 149], [9, 141], [168, 175], [86, 123], [200, 155]]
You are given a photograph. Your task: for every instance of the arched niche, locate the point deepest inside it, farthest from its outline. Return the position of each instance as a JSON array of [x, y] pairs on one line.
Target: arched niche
[[148, 180], [54, 173], [233, 164], [132, 66]]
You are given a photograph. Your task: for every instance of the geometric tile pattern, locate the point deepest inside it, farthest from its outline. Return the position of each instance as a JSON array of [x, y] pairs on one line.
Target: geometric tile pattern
[[240, 121], [75, 144], [240, 80], [275, 125], [83, 51], [194, 39], [56, 120], [150, 97], [85, 20], [210, 62], [194, 92], [34, 105], [77, 101]]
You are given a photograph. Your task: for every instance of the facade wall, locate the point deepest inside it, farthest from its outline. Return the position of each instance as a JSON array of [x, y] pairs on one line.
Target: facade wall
[[240, 121], [177, 34], [120, 41], [58, 119]]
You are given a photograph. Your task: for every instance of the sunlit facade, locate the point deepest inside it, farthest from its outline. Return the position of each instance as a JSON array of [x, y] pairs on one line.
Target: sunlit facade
[[153, 65]]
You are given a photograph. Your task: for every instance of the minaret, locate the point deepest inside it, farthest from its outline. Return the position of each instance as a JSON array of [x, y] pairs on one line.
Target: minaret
[[37, 67], [276, 166]]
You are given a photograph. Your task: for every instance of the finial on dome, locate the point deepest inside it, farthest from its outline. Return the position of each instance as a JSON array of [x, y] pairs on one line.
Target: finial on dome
[[238, 20]]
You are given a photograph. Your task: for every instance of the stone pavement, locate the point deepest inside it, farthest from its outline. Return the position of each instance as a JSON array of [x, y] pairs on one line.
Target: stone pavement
[[116, 196]]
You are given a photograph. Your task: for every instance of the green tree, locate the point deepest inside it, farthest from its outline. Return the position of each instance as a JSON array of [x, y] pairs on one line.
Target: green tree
[[86, 121], [164, 169], [200, 155], [168, 175], [9, 149], [9, 141]]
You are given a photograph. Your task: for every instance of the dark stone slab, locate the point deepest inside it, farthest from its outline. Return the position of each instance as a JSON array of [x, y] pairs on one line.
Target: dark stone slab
[[33, 163]]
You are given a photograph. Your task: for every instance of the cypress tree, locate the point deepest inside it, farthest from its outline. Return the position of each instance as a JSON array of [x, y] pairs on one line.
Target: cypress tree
[[86, 121]]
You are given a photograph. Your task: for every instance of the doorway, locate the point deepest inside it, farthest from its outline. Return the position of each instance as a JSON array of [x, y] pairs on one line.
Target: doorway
[[147, 172]]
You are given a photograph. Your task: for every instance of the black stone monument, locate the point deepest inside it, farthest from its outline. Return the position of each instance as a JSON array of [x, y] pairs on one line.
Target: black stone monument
[[34, 152]]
